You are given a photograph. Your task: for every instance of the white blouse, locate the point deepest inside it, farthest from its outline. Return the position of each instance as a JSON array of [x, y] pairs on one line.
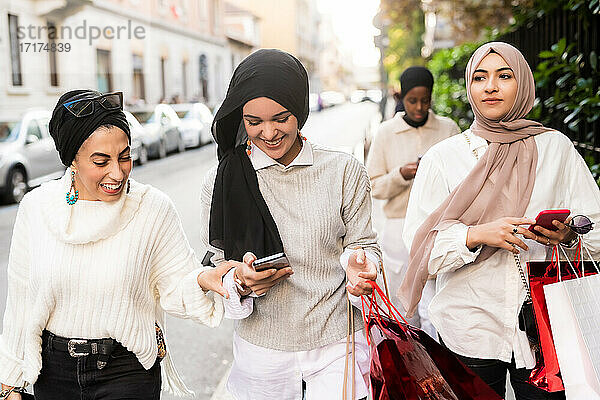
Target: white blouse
[[476, 306]]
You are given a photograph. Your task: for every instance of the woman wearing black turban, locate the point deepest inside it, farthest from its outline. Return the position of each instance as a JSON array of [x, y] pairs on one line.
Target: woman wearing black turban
[[392, 166], [96, 260], [274, 192]]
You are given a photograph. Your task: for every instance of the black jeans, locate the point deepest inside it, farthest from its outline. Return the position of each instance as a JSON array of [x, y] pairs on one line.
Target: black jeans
[[493, 372], [67, 378]]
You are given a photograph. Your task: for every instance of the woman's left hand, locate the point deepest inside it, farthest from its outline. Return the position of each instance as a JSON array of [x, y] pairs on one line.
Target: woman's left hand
[[360, 270], [212, 279], [564, 234]]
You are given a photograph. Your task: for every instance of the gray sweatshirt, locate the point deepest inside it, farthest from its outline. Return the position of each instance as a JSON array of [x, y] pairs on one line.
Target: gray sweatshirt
[[321, 206]]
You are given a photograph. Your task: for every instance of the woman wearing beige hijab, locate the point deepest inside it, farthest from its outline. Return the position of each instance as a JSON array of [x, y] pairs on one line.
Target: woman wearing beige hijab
[[471, 202]]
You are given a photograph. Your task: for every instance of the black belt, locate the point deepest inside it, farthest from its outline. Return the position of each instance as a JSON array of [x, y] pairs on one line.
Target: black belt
[[83, 347]]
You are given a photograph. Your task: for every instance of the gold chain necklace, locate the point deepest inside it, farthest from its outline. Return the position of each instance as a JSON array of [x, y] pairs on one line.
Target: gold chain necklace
[[469, 144]]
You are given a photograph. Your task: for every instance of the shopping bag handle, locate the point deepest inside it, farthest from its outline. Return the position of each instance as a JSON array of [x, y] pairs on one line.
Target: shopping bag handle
[[555, 262], [584, 247], [568, 262], [375, 310], [579, 259]]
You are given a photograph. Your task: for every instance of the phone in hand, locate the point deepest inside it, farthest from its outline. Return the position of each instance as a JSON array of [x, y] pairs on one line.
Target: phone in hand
[[545, 218], [275, 261]]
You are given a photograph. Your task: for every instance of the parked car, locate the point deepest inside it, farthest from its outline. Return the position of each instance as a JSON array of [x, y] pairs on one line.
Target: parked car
[[375, 95], [28, 156], [332, 98], [139, 148], [196, 122], [359, 96], [313, 102], [162, 127]]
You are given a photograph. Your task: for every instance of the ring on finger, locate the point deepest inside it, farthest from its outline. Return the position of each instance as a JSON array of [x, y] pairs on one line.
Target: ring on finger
[[548, 244]]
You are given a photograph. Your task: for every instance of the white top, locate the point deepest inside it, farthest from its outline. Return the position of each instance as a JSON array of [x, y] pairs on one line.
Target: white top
[[260, 373], [98, 270], [476, 306]]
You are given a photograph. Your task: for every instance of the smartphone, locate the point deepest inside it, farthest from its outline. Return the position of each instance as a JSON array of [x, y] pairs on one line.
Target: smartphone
[[545, 218], [276, 261]]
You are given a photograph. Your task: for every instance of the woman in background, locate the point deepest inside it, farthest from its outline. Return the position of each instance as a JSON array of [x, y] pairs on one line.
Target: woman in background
[[392, 165]]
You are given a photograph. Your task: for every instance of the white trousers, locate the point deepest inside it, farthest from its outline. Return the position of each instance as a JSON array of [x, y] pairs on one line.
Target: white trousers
[[395, 260]]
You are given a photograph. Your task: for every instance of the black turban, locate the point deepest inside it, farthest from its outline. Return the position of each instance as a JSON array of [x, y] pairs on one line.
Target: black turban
[[69, 132], [240, 220], [413, 77]]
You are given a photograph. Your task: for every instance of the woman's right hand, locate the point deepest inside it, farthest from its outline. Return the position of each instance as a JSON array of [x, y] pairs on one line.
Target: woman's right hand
[[501, 233], [409, 171], [259, 282]]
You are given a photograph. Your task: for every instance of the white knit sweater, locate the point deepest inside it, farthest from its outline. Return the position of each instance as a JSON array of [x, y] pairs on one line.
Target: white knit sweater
[[98, 270]]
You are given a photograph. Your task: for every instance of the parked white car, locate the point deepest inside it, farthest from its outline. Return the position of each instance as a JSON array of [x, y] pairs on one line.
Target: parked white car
[[332, 98], [28, 156], [196, 122], [139, 143], [162, 129]]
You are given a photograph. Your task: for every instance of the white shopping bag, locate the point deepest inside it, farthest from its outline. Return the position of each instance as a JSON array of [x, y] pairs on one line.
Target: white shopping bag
[[574, 310], [584, 294]]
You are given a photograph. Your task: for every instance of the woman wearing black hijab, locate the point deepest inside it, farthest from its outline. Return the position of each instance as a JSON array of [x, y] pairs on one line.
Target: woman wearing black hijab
[[275, 192], [96, 260]]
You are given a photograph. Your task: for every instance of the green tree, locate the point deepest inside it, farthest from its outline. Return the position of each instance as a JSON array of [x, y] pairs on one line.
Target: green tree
[[449, 92], [404, 50]]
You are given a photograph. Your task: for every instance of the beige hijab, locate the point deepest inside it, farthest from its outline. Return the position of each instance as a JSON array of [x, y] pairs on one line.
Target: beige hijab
[[499, 185]]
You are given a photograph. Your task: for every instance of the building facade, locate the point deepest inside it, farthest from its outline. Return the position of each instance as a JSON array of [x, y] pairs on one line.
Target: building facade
[[292, 26], [242, 29], [155, 50]]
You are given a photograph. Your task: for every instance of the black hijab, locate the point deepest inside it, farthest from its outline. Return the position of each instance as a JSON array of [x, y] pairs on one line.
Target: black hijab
[[413, 77], [240, 220], [69, 132]]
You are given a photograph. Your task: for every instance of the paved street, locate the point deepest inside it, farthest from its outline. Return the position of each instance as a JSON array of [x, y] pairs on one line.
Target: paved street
[[203, 355]]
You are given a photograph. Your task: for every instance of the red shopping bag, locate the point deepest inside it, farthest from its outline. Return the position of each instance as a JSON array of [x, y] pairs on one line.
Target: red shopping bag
[[408, 364], [546, 374]]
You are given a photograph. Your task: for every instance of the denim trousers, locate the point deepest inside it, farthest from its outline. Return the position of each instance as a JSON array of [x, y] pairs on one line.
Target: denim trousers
[[67, 378], [493, 372]]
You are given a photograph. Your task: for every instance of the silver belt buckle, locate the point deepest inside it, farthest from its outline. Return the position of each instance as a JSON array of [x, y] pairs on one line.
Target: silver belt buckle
[[71, 347]]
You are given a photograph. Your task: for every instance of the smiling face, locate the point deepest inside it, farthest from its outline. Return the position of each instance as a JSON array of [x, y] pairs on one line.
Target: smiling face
[[102, 165], [417, 103], [272, 128], [493, 87]]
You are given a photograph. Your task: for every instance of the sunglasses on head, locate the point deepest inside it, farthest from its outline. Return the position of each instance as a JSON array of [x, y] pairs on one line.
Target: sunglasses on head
[[580, 224], [85, 107]]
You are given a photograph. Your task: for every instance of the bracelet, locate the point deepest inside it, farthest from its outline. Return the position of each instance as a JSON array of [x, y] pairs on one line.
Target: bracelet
[[7, 392], [571, 244]]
